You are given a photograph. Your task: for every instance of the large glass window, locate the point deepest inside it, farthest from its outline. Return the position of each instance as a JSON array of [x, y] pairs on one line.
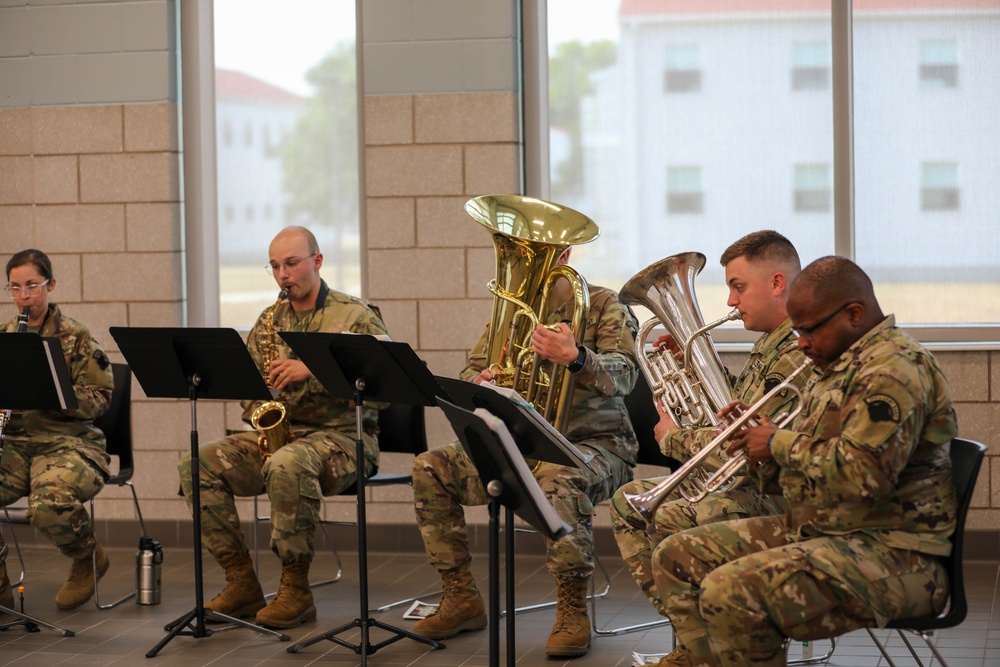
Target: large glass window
[[286, 88], [925, 216]]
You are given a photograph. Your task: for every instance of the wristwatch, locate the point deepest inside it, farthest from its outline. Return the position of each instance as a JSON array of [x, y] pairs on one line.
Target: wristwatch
[[576, 365]]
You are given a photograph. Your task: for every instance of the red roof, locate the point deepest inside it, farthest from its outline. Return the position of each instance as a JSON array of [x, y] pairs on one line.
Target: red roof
[[229, 83], [673, 7]]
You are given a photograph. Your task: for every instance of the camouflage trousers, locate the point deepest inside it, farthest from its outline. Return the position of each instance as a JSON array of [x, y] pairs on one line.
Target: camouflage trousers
[[296, 477], [57, 481], [445, 479], [636, 540], [735, 590]]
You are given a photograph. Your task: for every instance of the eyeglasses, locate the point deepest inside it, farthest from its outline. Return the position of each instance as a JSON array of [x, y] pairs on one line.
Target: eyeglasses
[[31, 289], [807, 332], [287, 265]]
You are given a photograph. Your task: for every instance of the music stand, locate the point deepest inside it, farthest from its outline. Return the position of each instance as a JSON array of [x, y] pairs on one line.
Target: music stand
[[35, 377], [508, 481], [360, 367], [194, 363]]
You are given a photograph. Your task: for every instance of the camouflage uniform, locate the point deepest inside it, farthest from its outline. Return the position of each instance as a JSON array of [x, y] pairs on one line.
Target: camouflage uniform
[[773, 358], [444, 479], [319, 461], [57, 458], [867, 476]]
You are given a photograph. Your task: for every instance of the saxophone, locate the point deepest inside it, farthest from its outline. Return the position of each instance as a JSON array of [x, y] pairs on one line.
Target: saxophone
[[268, 418], [22, 326]]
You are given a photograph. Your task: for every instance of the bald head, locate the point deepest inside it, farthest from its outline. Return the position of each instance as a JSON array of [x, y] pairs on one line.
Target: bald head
[[299, 233]]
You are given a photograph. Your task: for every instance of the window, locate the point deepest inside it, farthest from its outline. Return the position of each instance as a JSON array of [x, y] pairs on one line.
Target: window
[[684, 190], [286, 97], [810, 66], [813, 185], [939, 186], [938, 63], [682, 74], [762, 137]]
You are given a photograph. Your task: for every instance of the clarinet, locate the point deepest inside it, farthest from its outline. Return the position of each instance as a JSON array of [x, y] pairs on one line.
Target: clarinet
[[22, 326]]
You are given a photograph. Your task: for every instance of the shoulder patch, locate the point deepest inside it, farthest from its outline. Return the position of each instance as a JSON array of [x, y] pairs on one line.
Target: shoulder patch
[[882, 408], [772, 380], [102, 359]]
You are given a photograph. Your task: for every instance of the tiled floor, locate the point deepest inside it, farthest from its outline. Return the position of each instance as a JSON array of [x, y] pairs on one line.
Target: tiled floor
[[124, 635]]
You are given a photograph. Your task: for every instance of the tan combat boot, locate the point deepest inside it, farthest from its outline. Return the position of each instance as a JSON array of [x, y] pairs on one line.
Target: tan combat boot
[[6, 592], [570, 635], [79, 585], [461, 608], [242, 595], [293, 603]]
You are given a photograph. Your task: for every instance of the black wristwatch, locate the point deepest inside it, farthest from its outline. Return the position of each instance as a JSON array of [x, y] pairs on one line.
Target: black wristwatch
[[576, 365]]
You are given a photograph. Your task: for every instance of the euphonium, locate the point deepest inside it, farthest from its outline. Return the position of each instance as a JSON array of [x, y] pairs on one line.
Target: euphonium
[[647, 503], [529, 236], [269, 417], [694, 389]]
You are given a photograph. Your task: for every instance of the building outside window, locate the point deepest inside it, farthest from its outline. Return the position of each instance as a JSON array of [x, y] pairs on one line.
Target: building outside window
[[938, 63], [813, 188], [939, 186], [684, 193], [810, 66], [683, 73]]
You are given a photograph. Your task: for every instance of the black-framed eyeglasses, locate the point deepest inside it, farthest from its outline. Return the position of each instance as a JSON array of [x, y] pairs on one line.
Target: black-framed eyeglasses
[[31, 289], [807, 332], [288, 264]]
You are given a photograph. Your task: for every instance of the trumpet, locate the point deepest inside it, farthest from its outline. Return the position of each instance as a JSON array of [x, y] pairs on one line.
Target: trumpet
[[647, 503]]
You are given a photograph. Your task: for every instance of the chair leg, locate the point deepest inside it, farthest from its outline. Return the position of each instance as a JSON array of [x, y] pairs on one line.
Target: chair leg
[[17, 548], [97, 588], [815, 659], [881, 648], [611, 632]]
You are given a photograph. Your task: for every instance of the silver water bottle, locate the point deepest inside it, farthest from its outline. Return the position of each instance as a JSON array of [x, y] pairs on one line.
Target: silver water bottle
[[147, 571]]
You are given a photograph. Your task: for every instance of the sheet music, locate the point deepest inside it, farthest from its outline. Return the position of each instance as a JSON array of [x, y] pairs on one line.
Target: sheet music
[[541, 503], [581, 458]]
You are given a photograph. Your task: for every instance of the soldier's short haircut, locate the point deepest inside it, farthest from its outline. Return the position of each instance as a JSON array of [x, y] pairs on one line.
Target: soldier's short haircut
[[307, 235], [835, 280], [765, 246], [31, 256]]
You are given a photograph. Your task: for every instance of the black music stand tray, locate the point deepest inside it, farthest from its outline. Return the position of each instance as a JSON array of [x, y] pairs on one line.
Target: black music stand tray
[[194, 363], [508, 482], [35, 377], [359, 368]]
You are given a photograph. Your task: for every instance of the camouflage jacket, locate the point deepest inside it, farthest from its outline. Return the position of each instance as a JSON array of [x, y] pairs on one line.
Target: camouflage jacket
[[870, 451], [773, 358], [598, 417], [309, 406], [90, 372]]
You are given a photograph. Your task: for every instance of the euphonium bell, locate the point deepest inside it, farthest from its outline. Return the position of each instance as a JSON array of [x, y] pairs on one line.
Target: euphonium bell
[[529, 236], [694, 389]]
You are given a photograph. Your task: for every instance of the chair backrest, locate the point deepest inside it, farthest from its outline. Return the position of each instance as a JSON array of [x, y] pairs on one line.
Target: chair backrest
[[644, 416], [966, 458], [117, 423], [402, 429]]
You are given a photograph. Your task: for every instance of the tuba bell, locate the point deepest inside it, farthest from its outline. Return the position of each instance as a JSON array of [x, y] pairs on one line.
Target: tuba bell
[[694, 389], [529, 236]]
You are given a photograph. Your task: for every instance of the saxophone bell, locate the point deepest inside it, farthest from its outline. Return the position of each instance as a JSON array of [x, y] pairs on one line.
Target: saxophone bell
[[274, 431]]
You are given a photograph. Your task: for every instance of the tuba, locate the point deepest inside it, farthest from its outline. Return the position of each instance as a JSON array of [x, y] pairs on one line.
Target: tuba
[[529, 236], [694, 389], [269, 417]]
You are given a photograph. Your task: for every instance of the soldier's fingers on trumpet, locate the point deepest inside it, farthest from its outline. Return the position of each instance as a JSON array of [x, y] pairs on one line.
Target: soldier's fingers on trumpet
[[755, 440], [556, 346]]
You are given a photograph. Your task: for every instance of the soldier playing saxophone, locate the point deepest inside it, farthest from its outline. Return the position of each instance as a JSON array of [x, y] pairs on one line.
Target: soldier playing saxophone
[[318, 461]]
